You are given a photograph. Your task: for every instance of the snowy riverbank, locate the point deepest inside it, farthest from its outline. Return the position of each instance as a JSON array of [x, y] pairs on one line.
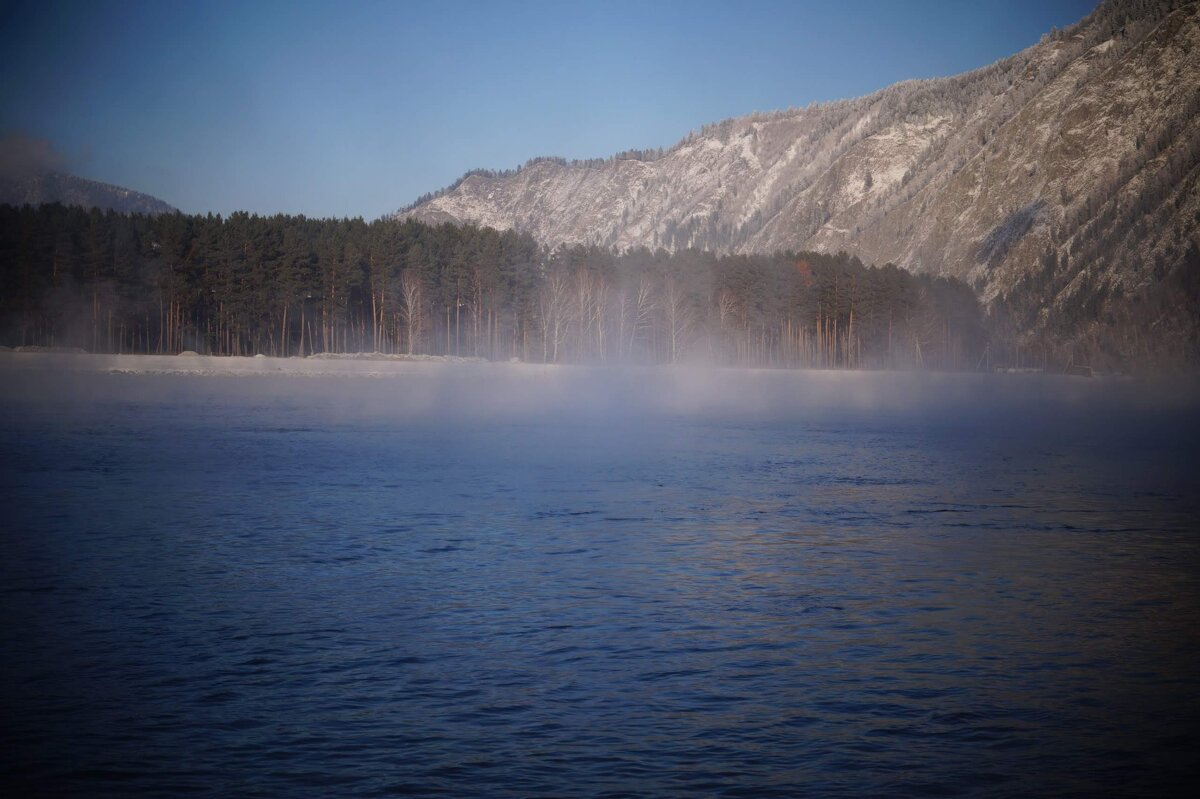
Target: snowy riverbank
[[324, 365]]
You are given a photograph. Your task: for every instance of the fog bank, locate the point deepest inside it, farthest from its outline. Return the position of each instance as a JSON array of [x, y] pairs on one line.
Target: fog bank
[[478, 390]]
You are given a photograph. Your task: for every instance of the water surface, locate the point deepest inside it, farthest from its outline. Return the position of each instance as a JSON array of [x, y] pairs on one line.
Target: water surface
[[563, 582]]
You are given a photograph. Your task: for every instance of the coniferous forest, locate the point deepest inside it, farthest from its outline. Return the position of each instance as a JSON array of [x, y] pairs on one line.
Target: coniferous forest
[[293, 286]]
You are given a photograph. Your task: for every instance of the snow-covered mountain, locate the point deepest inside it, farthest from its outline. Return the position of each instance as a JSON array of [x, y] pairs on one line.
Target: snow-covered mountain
[[49, 186], [1059, 180]]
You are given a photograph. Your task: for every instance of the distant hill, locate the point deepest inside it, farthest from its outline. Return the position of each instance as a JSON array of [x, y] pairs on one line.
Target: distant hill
[[51, 187], [1062, 183]]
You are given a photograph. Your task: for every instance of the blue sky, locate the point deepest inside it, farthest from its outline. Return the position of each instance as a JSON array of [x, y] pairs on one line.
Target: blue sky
[[354, 109]]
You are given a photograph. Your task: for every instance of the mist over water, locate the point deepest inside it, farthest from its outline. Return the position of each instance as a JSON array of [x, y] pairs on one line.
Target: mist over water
[[522, 581]]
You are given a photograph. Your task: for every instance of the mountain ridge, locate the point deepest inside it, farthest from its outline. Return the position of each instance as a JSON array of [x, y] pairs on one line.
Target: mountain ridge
[[1059, 181], [50, 186]]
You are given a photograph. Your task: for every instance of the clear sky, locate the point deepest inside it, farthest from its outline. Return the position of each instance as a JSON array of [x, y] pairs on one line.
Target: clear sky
[[356, 108]]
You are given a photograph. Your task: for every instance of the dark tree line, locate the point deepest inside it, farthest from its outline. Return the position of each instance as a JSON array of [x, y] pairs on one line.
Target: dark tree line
[[288, 286]]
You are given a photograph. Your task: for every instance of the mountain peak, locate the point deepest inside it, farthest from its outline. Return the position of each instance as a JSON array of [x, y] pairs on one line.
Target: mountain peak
[[36, 187]]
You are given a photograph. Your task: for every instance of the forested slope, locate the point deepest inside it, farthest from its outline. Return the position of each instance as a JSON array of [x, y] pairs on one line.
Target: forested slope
[[288, 285]]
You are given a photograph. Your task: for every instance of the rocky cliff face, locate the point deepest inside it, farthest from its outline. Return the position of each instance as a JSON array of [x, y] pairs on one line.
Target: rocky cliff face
[[1060, 182], [49, 187]]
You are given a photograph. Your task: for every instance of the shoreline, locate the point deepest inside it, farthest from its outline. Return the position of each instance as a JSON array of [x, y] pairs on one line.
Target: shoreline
[[486, 389], [322, 365], [383, 365]]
